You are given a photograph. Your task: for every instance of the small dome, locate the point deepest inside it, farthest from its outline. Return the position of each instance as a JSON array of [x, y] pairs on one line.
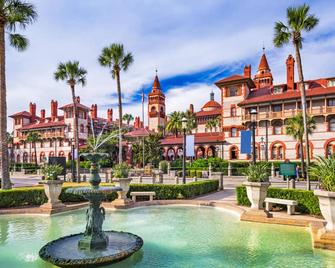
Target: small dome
[[211, 105]]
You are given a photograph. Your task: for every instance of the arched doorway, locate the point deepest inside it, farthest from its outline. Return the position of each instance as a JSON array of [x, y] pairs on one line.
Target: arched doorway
[[211, 151], [200, 152], [180, 152], [233, 153], [277, 150], [170, 154], [25, 157], [42, 157]]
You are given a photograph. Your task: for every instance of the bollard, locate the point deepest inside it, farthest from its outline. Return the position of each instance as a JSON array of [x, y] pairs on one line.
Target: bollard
[[292, 184], [273, 174], [229, 169], [106, 176], [141, 179], [220, 182], [210, 171], [176, 179], [84, 178], [168, 168], [160, 176]]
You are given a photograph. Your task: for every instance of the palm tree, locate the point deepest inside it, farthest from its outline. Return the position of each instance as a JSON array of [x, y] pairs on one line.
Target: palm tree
[[212, 123], [73, 74], [14, 14], [298, 20], [115, 58], [175, 122], [128, 118], [33, 137], [191, 121], [295, 128], [10, 141]]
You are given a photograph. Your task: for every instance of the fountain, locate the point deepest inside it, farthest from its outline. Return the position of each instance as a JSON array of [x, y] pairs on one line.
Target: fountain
[[94, 247]]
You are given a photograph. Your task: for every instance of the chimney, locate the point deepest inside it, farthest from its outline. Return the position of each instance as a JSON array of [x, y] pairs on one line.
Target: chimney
[[54, 108], [110, 115], [290, 72], [32, 110], [42, 115], [137, 122], [191, 109], [94, 111], [78, 99], [247, 71]]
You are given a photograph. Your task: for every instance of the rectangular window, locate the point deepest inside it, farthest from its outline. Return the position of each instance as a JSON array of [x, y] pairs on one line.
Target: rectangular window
[[331, 83], [233, 132], [276, 108], [331, 102]]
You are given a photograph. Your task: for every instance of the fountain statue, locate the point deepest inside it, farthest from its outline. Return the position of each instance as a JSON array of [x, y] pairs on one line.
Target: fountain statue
[[94, 247]]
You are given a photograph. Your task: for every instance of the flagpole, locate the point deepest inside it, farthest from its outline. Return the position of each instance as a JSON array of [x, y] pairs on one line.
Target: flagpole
[[143, 127]]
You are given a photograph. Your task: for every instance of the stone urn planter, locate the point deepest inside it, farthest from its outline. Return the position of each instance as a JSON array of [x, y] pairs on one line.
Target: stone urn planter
[[327, 207], [122, 180], [124, 184], [52, 189], [256, 192]]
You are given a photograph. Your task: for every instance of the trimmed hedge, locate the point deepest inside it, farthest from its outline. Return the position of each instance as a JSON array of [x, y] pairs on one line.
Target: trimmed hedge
[[307, 202], [182, 191], [35, 196]]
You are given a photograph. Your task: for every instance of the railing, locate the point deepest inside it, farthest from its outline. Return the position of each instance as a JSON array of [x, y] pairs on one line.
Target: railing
[[45, 135]]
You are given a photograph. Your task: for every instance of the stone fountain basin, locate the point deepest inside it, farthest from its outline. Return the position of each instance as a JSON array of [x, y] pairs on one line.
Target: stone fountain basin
[[64, 252]]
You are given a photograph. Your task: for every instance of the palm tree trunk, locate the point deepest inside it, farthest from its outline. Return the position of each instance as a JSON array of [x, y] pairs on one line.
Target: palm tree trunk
[[35, 151], [120, 114], [76, 134], [303, 173], [304, 110], [4, 170]]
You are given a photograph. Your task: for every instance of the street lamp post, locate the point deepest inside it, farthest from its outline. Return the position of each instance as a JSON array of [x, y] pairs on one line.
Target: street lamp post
[[184, 126], [253, 113]]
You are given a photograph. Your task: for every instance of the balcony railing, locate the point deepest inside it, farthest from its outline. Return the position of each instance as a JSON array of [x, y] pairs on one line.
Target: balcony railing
[[290, 113], [52, 135]]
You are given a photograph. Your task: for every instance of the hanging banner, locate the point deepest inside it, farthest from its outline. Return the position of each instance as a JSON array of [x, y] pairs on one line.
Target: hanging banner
[[190, 145], [245, 142]]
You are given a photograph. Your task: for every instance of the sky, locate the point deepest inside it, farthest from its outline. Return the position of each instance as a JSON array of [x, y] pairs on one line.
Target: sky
[[191, 43]]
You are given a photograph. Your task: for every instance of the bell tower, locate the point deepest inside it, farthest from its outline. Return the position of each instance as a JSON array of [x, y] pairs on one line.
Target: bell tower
[[156, 107], [263, 77]]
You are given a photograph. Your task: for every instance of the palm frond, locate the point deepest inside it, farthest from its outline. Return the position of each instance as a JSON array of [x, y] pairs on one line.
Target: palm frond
[[282, 34], [18, 13], [18, 41]]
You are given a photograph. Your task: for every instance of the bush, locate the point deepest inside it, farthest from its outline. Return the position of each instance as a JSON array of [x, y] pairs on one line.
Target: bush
[[121, 171], [199, 174], [35, 196], [257, 172], [163, 166], [325, 170], [179, 173], [307, 202], [192, 173], [183, 191]]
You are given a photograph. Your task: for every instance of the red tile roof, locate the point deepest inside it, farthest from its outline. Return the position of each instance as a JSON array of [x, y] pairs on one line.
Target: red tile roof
[[215, 137], [214, 112], [138, 133], [231, 78], [263, 64], [212, 104], [43, 125], [265, 95], [236, 78], [79, 105], [23, 113]]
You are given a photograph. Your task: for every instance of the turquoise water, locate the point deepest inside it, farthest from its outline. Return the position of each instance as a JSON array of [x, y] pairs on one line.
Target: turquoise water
[[173, 237]]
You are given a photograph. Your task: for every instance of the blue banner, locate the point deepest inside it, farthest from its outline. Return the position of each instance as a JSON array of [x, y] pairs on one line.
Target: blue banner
[[246, 142]]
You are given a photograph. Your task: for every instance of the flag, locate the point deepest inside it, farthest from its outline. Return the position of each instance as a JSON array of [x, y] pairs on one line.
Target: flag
[[245, 142], [142, 95]]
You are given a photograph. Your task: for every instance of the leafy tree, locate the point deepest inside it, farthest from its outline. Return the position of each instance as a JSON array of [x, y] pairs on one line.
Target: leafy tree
[[212, 123], [298, 20], [116, 59], [73, 75], [32, 138], [295, 128], [153, 151], [191, 121], [14, 14], [128, 118]]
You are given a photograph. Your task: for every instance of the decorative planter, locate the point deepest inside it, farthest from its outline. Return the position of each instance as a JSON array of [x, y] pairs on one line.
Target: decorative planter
[[122, 199], [327, 207], [256, 192], [52, 189]]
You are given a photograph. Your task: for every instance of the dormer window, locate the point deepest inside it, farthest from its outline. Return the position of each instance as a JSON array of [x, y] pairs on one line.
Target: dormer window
[[277, 90], [331, 83], [233, 91]]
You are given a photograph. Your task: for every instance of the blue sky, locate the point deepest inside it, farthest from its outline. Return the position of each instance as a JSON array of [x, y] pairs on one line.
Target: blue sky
[[192, 43]]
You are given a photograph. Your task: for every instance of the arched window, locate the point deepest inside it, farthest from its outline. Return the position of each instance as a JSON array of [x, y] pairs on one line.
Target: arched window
[[332, 124], [233, 153], [25, 157], [51, 154], [277, 128], [180, 153], [298, 150], [277, 151], [171, 154], [61, 143], [61, 153], [42, 157]]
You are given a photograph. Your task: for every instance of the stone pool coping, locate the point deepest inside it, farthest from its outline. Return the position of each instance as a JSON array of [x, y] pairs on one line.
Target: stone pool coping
[[320, 238]]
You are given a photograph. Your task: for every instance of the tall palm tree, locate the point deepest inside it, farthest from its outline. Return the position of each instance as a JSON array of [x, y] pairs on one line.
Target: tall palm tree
[[73, 75], [295, 128], [128, 118], [115, 58], [298, 20], [10, 141], [191, 121], [174, 124], [32, 138], [14, 14]]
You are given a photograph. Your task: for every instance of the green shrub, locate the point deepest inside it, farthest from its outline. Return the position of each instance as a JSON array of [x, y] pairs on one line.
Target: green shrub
[[257, 172], [35, 196], [179, 173], [184, 191], [192, 173], [199, 174], [163, 166], [325, 170], [121, 171], [307, 201]]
